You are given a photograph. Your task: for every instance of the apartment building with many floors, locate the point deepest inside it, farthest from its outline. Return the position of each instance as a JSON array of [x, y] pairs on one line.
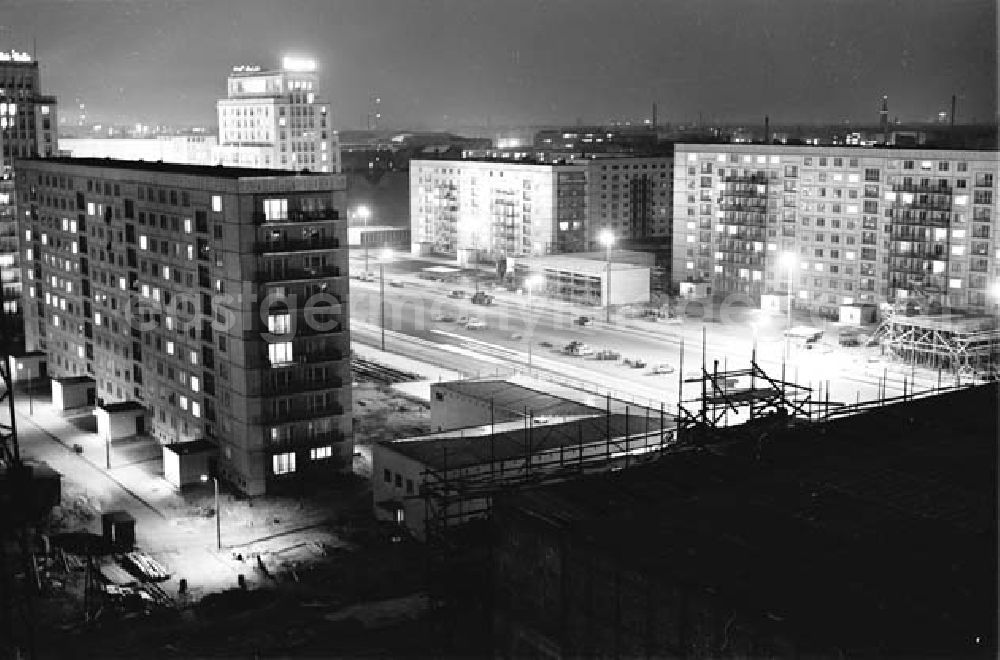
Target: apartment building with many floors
[[215, 297], [28, 127], [502, 208], [838, 225]]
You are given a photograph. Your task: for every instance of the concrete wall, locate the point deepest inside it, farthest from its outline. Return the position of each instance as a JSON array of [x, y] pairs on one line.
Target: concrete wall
[[68, 395], [453, 410], [181, 470], [27, 367], [628, 286], [116, 425]]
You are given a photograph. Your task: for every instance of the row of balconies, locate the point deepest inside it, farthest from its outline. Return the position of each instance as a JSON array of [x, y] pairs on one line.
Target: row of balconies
[[264, 246], [320, 215]]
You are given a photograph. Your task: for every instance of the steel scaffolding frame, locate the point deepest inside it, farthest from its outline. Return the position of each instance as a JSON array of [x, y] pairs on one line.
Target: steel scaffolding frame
[[959, 344]]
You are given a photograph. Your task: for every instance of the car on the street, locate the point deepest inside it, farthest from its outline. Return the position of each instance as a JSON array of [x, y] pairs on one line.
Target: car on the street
[[462, 320], [443, 318], [662, 368], [367, 277], [635, 363], [475, 324], [396, 283], [545, 344], [457, 293], [482, 298], [578, 348], [607, 354], [584, 321]]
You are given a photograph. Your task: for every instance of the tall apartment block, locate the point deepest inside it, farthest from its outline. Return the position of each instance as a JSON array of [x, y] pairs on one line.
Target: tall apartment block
[[216, 298], [505, 208], [28, 127], [838, 225], [276, 119]]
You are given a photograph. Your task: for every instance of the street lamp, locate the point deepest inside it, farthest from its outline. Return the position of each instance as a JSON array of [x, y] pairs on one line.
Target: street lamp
[[530, 283], [607, 239], [385, 255], [364, 213], [788, 261], [218, 512]]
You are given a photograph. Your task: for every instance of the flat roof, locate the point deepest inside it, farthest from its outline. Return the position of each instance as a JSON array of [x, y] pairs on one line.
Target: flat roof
[[541, 398], [71, 380], [575, 264], [218, 171], [453, 450], [884, 521], [192, 447], [123, 406]]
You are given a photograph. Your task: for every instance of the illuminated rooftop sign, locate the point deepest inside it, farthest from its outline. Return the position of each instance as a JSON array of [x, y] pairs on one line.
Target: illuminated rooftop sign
[[246, 68], [15, 56], [298, 64]]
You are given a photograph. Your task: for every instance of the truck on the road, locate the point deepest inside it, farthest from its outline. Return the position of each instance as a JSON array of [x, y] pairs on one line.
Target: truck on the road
[[481, 298]]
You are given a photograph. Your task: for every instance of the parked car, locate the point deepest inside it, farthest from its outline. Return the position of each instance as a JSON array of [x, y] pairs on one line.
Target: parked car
[[481, 298], [584, 321], [443, 318], [607, 354], [578, 348], [457, 293], [396, 283], [462, 320], [475, 324], [545, 344], [635, 363], [662, 369]]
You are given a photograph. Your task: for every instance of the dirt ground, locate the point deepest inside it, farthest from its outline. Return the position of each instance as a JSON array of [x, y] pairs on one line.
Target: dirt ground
[[383, 414]]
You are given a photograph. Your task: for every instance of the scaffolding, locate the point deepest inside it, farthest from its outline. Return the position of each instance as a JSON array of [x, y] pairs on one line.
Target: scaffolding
[[961, 344]]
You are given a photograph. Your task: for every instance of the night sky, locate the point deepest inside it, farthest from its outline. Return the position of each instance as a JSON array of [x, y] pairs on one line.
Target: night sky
[[447, 63]]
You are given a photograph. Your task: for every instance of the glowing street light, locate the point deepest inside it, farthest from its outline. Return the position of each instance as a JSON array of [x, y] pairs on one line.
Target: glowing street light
[[384, 256], [218, 513], [607, 239], [364, 213]]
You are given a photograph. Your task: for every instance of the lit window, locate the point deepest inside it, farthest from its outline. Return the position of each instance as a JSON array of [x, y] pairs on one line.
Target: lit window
[[275, 209], [183, 402], [280, 353], [195, 384], [187, 225], [217, 203], [283, 463], [278, 324], [143, 242], [319, 453], [170, 348], [166, 272], [955, 283], [91, 209], [196, 409], [194, 357]]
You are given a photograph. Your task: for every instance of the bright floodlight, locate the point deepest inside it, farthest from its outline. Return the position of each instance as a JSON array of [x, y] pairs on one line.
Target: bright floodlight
[[788, 259], [606, 237], [533, 281], [204, 478], [386, 253], [363, 212], [995, 290]]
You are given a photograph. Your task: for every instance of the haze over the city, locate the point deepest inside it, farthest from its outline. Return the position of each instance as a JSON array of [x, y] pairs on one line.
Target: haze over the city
[[447, 63]]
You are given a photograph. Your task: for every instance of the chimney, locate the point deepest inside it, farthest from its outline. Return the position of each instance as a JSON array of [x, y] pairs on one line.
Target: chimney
[[767, 130], [654, 114], [883, 115], [952, 115]]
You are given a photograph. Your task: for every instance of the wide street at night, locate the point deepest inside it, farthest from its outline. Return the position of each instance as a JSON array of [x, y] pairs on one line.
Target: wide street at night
[[517, 326]]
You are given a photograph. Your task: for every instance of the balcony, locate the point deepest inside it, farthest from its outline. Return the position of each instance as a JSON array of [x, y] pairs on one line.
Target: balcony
[[298, 412], [322, 215], [305, 441], [914, 188], [931, 203], [286, 274], [265, 246], [298, 383], [748, 178]]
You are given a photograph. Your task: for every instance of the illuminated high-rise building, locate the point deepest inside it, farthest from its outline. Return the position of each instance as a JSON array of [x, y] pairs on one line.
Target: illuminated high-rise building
[[28, 127], [277, 119]]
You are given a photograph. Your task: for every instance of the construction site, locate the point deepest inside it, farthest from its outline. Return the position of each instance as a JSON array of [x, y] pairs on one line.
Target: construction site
[[962, 345]]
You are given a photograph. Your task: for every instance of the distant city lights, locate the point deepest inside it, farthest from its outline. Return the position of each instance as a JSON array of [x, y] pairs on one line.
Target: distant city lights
[[15, 56]]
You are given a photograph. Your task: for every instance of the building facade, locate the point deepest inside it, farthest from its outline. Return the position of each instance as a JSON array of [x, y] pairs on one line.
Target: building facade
[[505, 208], [215, 297], [28, 127], [186, 149], [838, 225], [276, 119]]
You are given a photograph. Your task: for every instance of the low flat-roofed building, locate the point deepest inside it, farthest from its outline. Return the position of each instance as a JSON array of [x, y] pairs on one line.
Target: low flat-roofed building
[[449, 478], [585, 279]]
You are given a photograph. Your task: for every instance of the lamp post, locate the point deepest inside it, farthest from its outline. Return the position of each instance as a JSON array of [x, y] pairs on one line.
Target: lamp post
[[385, 255], [607, 239], [995, 294], [218, 512], [364, 213], [530, 283], [788, 261]]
